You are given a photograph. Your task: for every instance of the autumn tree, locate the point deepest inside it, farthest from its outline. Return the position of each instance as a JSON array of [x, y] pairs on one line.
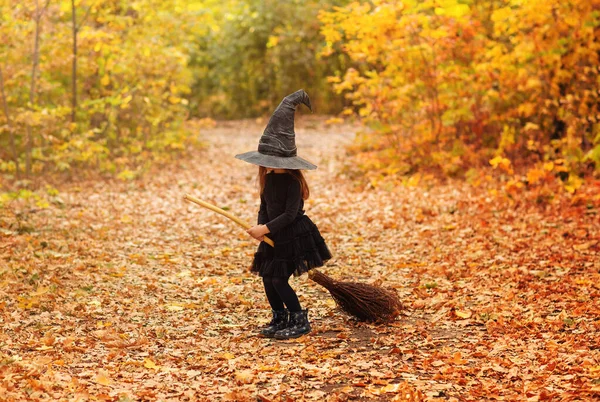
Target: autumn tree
[[130, 106], [452, 84], [110, 83], [251, 53]]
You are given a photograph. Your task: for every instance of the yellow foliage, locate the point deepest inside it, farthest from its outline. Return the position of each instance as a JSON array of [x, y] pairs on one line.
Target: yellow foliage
[[513, 185], [463, 80], [573, 183], [502, 163], [130, 78], [535, 175]]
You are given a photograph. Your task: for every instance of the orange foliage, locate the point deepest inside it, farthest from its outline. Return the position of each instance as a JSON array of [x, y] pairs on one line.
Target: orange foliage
[[451, 84]]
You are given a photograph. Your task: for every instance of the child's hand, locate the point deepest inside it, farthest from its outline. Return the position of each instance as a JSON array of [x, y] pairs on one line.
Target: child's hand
[[258, 232]]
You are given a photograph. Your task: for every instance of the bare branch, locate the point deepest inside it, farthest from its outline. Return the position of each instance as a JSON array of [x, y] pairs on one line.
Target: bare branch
[[85, 16], [9, 124]]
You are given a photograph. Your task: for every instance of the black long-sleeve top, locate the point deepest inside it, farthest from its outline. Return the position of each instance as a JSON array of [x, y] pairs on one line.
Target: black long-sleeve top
[[281, 201]]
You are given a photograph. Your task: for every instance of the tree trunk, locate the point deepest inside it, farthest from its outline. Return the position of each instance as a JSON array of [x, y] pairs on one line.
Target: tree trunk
[[36, 59], [74, 71], [34, 67], [11, 130]]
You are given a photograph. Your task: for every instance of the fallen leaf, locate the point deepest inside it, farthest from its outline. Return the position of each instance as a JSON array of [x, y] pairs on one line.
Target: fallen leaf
[[244, 376], [392, 388], [463, 314], [175, 307], [102, 379], [226, 356], [457, 359], [40, 291], [584, 246], [148, 363]]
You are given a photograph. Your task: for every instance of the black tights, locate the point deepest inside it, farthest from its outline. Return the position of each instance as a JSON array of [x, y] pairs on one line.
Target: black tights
[[279, 291]]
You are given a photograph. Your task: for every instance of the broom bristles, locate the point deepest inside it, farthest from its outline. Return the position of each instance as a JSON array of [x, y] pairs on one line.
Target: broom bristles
[[363, 301]]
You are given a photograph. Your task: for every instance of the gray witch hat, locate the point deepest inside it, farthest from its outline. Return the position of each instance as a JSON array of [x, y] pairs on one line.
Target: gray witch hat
[[277, 145]]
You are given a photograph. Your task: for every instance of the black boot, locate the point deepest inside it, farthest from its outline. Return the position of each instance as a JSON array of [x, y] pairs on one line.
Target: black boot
[[297, 326], [279, 321]]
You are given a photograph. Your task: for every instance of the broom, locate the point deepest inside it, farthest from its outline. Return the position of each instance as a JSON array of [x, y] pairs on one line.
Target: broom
[[363, 301]]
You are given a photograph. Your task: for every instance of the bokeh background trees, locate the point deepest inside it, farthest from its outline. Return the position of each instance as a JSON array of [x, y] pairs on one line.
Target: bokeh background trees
[[452, 85], [442, 86]]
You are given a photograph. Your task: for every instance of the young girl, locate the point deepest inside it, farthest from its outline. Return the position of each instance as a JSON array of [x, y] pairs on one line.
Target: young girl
[[299, 246]]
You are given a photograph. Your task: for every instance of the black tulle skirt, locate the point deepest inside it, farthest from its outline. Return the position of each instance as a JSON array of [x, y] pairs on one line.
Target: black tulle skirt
[[299, 247]]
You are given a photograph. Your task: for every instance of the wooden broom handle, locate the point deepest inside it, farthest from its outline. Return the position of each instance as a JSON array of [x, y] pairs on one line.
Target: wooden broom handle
[[226, 214]]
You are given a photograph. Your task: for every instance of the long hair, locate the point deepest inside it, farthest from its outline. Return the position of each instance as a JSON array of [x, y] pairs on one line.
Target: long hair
[[262, 174]]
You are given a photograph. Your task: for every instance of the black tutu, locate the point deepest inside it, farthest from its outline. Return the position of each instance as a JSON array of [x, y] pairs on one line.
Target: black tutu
[[299, 247]]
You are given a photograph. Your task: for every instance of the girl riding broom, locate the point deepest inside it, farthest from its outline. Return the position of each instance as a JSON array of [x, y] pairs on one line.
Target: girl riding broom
[[299, 246]]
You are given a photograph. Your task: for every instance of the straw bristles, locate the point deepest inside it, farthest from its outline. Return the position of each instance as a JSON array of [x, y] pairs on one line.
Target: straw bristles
[[363, 301]]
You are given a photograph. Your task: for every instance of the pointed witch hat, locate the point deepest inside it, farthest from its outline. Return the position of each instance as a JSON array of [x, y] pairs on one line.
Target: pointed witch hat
[[277, 145]]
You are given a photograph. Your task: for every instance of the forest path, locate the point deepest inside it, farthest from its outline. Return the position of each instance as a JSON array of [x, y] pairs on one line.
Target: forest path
[[123, 290]]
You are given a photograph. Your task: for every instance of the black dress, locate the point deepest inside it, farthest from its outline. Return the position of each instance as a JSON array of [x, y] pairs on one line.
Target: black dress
[[299, 246]]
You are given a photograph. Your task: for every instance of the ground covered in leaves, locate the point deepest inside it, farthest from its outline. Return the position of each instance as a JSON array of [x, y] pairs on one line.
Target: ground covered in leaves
[[123, 291]]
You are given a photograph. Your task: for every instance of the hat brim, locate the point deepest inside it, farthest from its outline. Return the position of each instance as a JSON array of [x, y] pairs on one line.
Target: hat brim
[[276, 162]]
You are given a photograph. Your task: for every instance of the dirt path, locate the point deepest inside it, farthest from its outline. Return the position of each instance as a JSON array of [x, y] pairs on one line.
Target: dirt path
[[122, 291]]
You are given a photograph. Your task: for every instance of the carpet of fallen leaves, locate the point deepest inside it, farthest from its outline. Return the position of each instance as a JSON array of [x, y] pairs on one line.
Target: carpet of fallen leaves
[[123, 291]]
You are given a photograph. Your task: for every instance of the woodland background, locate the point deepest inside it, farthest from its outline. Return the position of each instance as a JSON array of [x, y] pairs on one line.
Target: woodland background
[[444, 86], [458, 145]]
